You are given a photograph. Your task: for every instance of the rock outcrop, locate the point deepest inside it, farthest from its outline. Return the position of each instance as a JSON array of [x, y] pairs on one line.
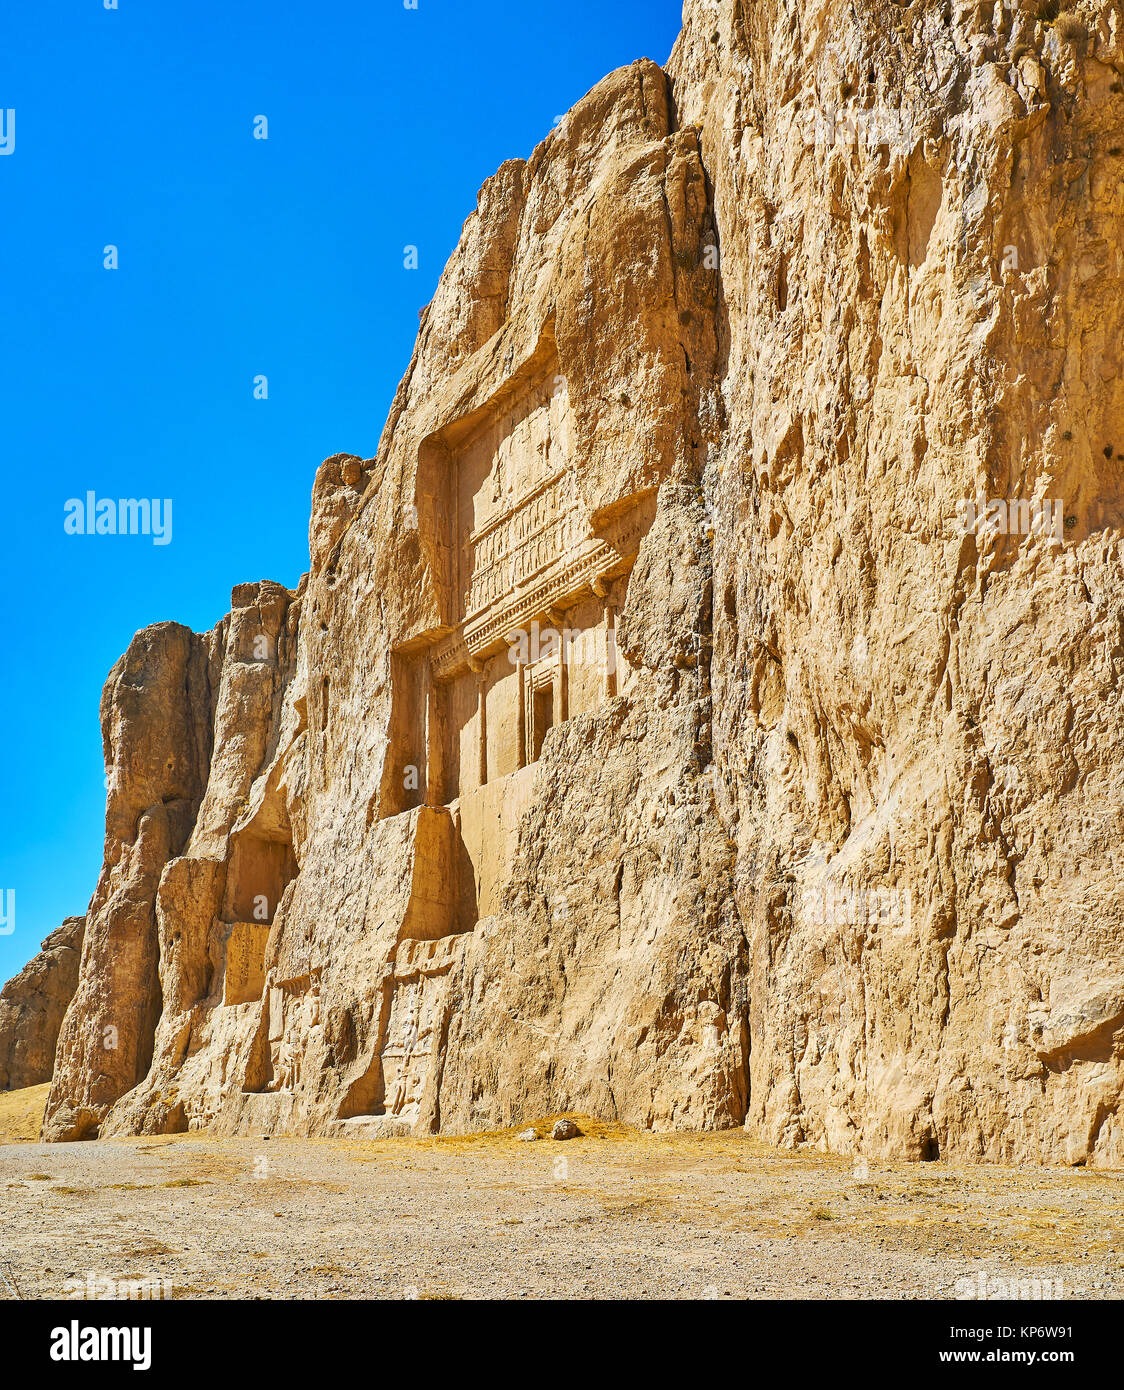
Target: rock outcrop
[[916, 723], [655, 735], [32, 1006]]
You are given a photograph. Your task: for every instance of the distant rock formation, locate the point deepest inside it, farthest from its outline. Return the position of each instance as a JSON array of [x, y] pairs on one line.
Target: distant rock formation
[[32, 1006], [653, 736]]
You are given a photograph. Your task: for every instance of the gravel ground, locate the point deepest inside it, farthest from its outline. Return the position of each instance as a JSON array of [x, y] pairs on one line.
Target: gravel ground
[[611, 1215]]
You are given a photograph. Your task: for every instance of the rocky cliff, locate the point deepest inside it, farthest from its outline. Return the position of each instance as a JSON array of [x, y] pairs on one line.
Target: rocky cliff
[[32, 1006], [705, 708]]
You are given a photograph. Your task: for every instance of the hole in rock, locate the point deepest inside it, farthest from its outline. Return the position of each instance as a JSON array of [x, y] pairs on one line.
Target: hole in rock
[[543, 716]]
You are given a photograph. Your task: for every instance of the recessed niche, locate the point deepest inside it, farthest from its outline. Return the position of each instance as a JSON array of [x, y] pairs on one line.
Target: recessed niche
[[259, 872]]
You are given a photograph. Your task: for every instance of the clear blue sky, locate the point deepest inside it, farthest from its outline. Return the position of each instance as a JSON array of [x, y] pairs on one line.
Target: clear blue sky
[[238, 257]]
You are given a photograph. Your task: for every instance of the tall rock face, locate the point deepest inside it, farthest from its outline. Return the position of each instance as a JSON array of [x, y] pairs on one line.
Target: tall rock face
[[185, 724], [32, 1006], [654, 733], [917, 723]]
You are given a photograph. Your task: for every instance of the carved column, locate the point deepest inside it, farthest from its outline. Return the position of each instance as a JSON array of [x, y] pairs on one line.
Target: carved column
[[521, 716], [481, 719], [601, 589], [557, 620], [434, 769]]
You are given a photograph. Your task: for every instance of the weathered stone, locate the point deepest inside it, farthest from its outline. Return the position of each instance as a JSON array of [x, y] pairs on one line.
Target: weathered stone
[[565, 1129], [649, 692], [32, 1006]]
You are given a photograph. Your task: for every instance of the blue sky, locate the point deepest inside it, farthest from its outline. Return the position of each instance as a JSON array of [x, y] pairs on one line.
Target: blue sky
[[237, 258]]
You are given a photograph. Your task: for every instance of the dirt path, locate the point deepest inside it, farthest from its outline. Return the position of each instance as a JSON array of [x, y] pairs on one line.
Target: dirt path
[[621, 1215]]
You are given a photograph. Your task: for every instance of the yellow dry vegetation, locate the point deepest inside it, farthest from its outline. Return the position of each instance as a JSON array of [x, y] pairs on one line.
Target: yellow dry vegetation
[[21, 1113]]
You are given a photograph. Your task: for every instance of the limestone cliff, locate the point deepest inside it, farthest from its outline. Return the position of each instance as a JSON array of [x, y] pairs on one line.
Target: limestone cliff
[[655, 734], [32, 1006]]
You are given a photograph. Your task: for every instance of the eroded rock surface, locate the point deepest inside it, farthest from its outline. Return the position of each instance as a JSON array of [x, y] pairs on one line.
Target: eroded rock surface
[[32, 1005], [652, 737]]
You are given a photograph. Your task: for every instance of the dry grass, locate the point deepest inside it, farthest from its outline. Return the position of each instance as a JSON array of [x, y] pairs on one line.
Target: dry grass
[[21, 1114], [1071, 27], [605, 1135], [501, 1138]]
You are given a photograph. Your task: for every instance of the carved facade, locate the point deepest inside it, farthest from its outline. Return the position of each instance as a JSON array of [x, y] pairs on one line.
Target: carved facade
[[530, 586]]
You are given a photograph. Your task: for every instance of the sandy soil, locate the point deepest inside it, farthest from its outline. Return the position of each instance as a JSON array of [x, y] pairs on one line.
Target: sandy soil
[[614, 1214]]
